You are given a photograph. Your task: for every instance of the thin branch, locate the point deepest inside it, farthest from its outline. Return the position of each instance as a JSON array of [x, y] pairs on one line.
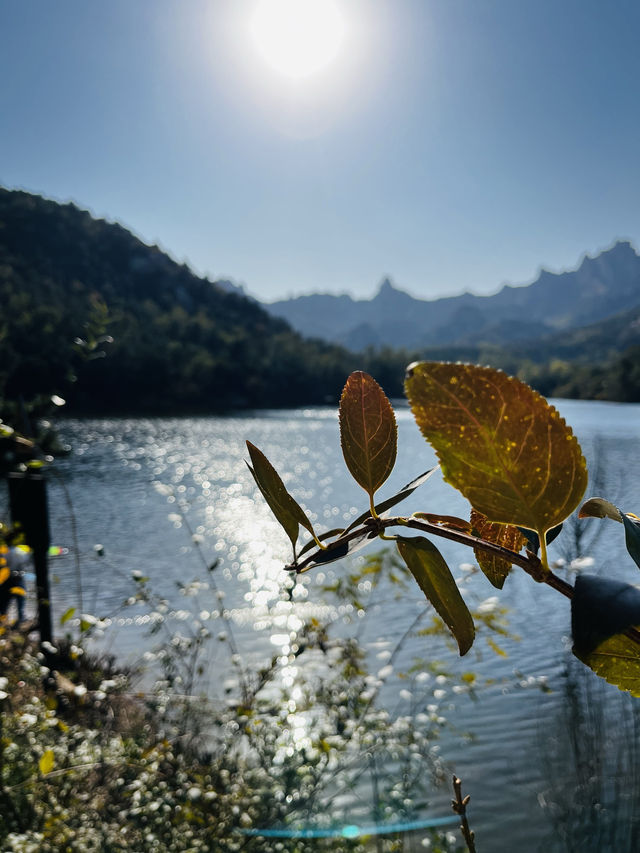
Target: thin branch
[[529, 562], [459, 805]]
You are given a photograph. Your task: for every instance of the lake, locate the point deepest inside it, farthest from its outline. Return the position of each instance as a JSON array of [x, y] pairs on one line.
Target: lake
[[160, 495]]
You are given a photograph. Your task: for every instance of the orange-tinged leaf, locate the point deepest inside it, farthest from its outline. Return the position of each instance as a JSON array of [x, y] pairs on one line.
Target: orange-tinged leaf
[[495, 568], [17, 590], [434, 578], [368, 431], [285, 508], [5, 574], [499, 443]]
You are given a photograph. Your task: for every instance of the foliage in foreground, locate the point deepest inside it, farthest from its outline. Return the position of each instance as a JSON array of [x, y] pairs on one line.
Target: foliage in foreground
[[85, 764], [512, 456]]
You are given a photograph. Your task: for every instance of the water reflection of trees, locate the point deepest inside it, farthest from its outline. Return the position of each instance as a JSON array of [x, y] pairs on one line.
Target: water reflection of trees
[[591, 757]]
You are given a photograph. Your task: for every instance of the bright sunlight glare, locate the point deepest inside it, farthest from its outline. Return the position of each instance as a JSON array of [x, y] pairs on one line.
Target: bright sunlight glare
[[297, 37]]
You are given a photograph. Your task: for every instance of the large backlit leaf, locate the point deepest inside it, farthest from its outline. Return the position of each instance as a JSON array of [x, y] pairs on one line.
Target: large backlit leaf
[[506, 535], [368, 431], [434, 578], [285, 508], [499, 443]]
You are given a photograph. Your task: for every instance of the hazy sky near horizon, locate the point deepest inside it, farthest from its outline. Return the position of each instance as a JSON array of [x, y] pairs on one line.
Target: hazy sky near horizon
[[450, 144]]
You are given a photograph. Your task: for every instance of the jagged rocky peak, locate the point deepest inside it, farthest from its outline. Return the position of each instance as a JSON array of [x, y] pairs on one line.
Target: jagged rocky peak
[[389, 292]]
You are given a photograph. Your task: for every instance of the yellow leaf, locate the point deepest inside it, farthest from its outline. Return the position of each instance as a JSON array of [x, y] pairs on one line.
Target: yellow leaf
[[617, 660], [5, 574], [499, 443], [47, 761], [496, 648]]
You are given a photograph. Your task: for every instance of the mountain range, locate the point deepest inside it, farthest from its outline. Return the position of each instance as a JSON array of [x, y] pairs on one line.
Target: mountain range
[[185, 344], [599, 288]]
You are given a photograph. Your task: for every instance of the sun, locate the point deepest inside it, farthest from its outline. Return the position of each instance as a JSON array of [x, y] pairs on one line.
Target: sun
[[297, 38]]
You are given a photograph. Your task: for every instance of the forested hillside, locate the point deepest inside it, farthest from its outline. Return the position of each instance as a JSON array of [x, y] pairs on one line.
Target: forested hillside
[[181, 343], [184, 344]]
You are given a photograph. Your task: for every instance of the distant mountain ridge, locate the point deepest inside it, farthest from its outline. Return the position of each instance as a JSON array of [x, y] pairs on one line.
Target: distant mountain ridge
[[184, 344], [601, 287]]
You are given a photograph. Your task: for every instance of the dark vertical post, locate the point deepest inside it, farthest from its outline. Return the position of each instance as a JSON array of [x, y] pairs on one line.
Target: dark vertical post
[[28, 504]]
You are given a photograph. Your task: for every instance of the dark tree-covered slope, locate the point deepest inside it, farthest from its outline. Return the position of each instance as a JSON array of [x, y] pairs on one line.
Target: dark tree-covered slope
[[181, 343]]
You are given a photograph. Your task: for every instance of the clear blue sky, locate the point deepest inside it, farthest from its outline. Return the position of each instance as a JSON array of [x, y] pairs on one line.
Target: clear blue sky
[[451, 144]]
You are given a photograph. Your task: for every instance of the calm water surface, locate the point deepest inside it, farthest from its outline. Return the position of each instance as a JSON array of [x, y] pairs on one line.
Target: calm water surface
[[128, 481]]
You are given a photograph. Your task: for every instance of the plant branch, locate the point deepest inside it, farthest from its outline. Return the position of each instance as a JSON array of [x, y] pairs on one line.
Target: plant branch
[[529, 562], [459, 805]]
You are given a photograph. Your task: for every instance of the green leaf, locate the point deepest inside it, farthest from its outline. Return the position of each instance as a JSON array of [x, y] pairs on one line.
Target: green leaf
[[434, 578], [617, 660], [499, 443], [47, 762], [67, 615], [452, 522], [286, 509], [328, 534], [338, 550], [632, 537], [368, 432], [601, 508], [601, 608], [383, 507]]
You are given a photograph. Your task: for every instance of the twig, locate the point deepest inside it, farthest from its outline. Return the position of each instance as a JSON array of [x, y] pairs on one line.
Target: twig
[[459, 805], [529, 562]]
